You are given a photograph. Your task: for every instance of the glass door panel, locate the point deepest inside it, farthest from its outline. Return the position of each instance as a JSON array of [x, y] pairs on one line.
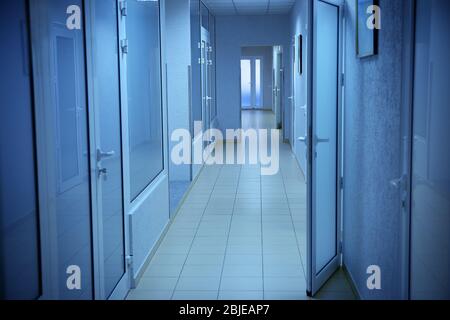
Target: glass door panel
[[144, 94], [258, 84], [246, 83], [105, 100], [60, 96], [324, 258]]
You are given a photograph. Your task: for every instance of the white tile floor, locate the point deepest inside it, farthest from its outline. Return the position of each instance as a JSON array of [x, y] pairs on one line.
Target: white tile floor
[[238, 235]]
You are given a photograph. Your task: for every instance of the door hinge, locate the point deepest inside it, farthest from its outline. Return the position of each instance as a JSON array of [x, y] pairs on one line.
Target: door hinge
[[124, 46], [341, 183], [129, 261], [123, 8]]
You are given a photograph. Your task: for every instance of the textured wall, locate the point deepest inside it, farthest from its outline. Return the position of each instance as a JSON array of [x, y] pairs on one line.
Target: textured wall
[[299, 25], [372, 216]]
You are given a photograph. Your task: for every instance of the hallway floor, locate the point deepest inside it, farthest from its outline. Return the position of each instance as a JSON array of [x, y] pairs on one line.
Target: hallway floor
[[238, 235]]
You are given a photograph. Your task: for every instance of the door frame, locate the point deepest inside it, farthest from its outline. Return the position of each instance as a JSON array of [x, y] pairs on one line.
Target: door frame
[[315, 282], [206, 102], [122, 287], [407, 109]]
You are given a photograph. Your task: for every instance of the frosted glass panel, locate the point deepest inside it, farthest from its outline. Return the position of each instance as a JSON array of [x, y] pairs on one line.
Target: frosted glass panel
[[246, 83], [144, 94], [196, 79], [62, 105], [430, 219], [19, 226], [107, 106], [258, 85], [325, 141]]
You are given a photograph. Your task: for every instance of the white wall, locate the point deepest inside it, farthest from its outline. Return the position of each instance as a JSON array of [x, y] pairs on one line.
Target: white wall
[[178, 45]]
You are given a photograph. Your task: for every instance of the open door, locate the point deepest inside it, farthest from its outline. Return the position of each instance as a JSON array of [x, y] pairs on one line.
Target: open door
[[324, 254]]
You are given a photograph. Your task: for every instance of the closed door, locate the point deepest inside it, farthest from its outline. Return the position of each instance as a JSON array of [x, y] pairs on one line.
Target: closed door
[[277, 85], [104, 99], [206, 66], [430, 189], [323, 235], [63, 151]]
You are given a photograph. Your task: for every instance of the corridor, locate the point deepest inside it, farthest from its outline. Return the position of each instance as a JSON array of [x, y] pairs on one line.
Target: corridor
[[334, 182], [238, 236]]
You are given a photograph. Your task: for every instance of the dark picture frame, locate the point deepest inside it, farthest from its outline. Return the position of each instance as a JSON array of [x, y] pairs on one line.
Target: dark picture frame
[[366, 39], [300, 54]]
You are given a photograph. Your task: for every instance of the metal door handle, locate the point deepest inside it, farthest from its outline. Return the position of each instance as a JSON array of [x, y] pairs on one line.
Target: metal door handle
[[104, 155], [317, 140], [399, 183], [303, 139], [102, 172]]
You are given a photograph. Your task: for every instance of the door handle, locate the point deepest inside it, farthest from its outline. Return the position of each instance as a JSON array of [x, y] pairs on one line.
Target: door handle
[[399, 183], [303, 139], [104, 155], [102, 172], [318, 140]]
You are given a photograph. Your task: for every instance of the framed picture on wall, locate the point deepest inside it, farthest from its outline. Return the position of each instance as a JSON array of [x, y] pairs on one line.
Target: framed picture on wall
[[300, 54], [366, 31]]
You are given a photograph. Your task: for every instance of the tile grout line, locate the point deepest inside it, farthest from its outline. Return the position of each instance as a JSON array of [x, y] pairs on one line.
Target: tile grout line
[[196, 232], [293, 226], [229, 231]]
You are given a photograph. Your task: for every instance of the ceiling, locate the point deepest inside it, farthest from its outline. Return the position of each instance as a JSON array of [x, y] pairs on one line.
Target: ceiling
[[249, 7]]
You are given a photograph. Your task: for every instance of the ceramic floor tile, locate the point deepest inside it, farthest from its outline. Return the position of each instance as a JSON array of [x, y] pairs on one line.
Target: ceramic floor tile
[[202, 271], [163, 271], [255, 270], [198, 284], [157, 283], [241, 284], [284, 284], [205, 259]]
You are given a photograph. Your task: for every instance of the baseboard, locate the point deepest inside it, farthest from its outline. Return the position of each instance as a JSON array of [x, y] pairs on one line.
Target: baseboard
[[352, 282], [135, 281]]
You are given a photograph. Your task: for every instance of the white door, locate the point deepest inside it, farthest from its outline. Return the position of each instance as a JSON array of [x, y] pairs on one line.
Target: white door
[[106, 148], [62, 151], [430, 186], [206, 50], [323, 198]]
